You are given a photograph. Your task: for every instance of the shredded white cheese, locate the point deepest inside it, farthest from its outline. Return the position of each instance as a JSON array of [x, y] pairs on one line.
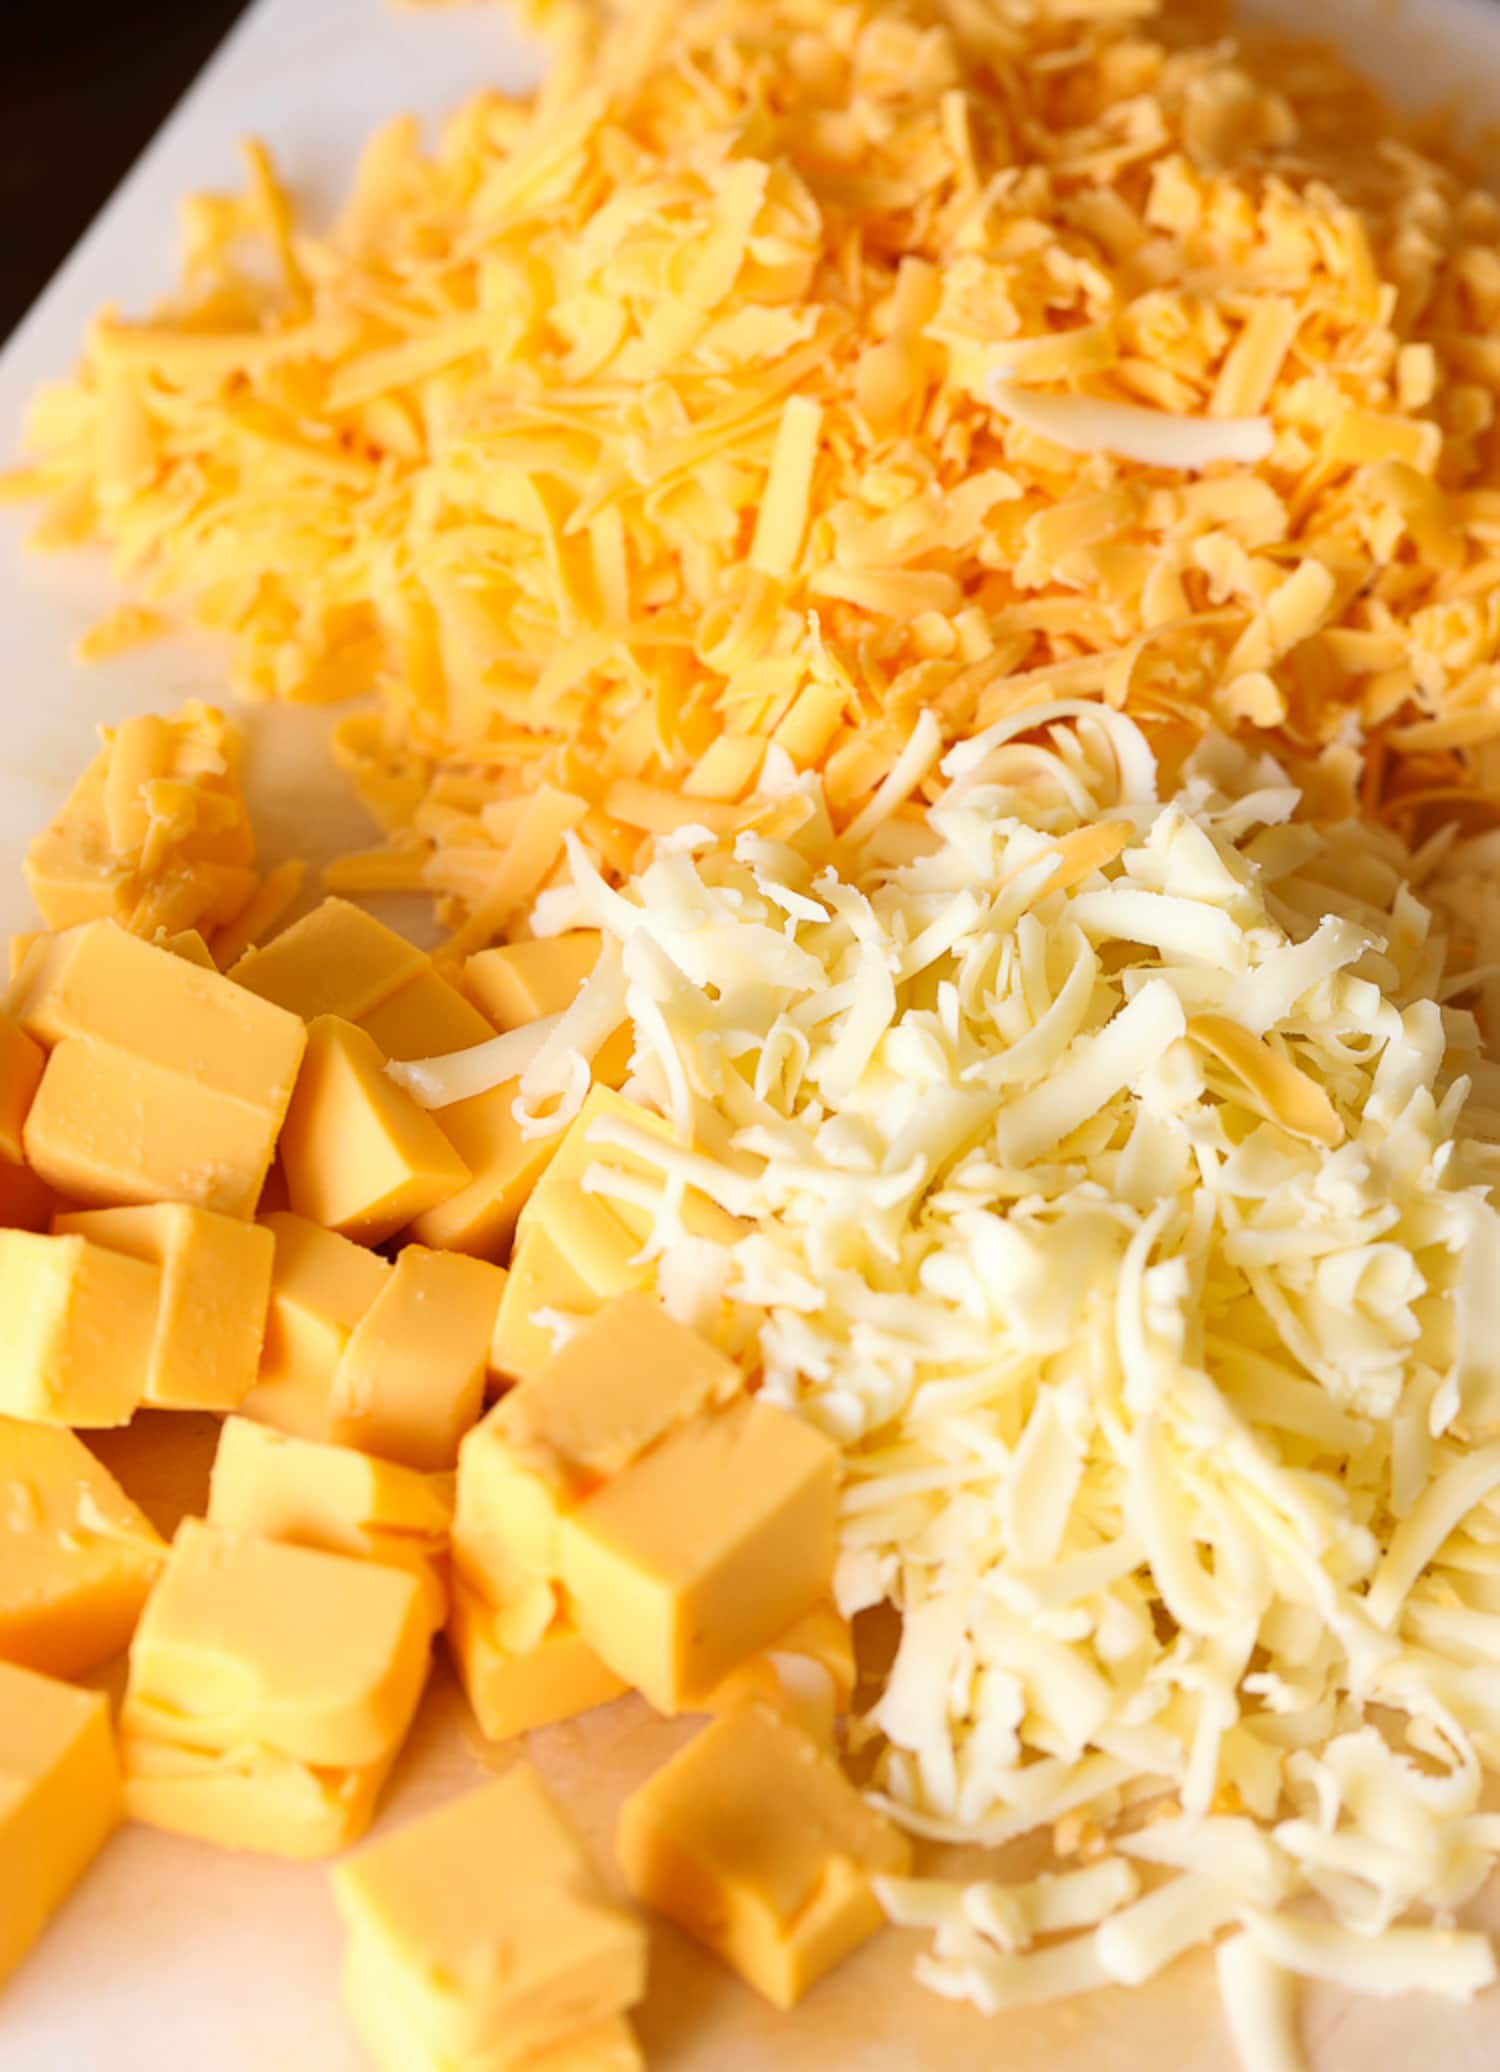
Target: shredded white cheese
[[1113, 1206], [1130, 431]]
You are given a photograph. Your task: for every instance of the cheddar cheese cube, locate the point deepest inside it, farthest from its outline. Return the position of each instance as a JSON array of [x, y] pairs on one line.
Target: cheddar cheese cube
[[626, 1378], [164, 1082], [588, 1146], [358, 1154], [754, 1841], [410, 1381], [336, 960], [80, 1328], [187, 942], [523, 1664], [481, 1218], [544, 1289], [518, 982], [490, 1926], [426, 1018], [701, 1552], [330, 1497], [77, 1558], [59, 1799], [270, 1689], [21, 1062], [211, 1312], [321, 1285]]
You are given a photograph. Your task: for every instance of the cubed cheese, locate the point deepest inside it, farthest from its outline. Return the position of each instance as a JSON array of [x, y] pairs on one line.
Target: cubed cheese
[[425, 1018], [701, 1552], [481, 1217], [336, 960], [411, 1379], [77, 1557], [164, 1082], [525, 1664], [321, 1285], [544, 1290], [807, 1673], [261, 1671], [59, 1799], [21, 1062], [80, 1328], [520, 981], [211, 1313], [754, 1841], [357, 1152], [489, 1924], [331, 1497]]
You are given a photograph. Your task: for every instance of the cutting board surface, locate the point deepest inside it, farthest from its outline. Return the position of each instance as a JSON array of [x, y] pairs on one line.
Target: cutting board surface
[[172, 1957]]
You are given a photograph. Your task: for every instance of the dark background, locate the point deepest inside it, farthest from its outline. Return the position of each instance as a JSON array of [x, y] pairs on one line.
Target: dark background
[[84, 85]]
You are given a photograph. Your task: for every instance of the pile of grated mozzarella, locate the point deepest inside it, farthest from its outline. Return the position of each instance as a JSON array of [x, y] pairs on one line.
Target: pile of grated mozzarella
[[1117, 1177]]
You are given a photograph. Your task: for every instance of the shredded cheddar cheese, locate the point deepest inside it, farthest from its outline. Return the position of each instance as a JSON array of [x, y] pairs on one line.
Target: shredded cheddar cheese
[[1118, 1173], [779, 371]]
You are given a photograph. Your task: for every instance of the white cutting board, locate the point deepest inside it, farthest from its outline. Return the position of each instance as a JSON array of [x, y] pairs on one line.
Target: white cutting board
[[172, 1957]]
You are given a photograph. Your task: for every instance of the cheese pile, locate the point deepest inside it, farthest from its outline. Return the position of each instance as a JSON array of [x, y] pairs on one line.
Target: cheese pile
[[1118, 1174], [778, 371]]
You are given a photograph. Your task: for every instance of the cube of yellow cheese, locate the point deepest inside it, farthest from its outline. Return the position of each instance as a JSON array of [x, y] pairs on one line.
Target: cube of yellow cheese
[[358, 1154], [411, 1379], [520, 981], [215, 1286], [523, 1665], [77, 1557], [481, 1218], [546, 1288], [59, 1800], [626, 1378], [21, 1062], [425, 1018], [270, 1689], [165, 1082], [490, 1925], [336, 960], [391, 2032], [321, 1285], [755, 1842], [588, 1147], [701, 1552], [330, 1497], [80, 1327]]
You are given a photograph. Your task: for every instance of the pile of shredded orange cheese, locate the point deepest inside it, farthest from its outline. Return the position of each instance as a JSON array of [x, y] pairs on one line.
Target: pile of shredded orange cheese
[[770, 376]]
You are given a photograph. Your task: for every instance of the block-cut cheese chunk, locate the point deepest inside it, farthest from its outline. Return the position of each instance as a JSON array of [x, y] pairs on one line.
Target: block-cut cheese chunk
[[481, 1217], [807, 1673], [336, 960], [101, 983], [411, 1379], [357, 1152], [546, 1288], [187, 942], [755, 1842], [521, 981], [330, 1497], [165, 1081], [80, 1323], [266, 1671], [21, 1062], [701, 1552], [245, 1639], [390, 2031], [627, 1378], [523, 1665], [624, 1380], [321, 1285], [211, 1313], [59, 1799], [77, 1557], [490, 1925], [425, 1018], [250, 1796]]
